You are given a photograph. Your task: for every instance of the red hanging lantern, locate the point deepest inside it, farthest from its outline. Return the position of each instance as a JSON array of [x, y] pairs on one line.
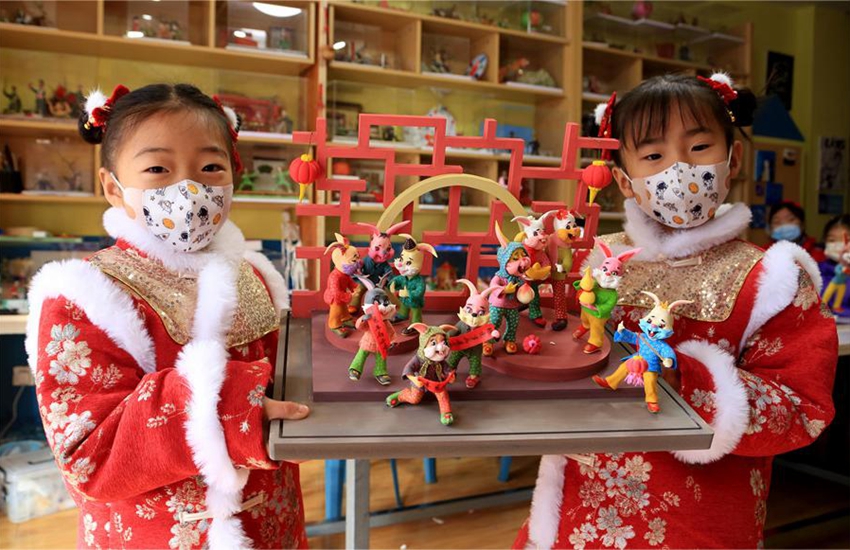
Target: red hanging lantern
[[597, 177], [304, 171]]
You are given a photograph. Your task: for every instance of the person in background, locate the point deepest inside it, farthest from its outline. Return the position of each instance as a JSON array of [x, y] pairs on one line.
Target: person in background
[[787, 222], [833, 243]]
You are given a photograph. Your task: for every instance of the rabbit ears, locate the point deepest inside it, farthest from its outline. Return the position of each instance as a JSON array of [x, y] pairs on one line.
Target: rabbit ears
[[411, 245], [376, 232], [341, 242], [622, 257], [665, 305], [473, 290], [367, 282], [530, 220], [503, 240]]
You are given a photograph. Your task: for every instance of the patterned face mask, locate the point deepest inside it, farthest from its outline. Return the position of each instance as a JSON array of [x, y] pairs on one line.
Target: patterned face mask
[[186, 215], [684, 195]]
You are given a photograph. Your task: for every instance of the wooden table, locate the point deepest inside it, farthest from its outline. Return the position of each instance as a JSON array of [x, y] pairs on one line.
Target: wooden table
[[362, 431]]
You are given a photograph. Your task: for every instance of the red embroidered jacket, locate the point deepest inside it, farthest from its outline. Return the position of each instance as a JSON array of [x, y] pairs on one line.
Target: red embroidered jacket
[[150, 387], [757, 354]]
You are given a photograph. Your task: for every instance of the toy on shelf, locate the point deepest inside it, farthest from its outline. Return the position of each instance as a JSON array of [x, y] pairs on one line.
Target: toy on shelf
[[837, 287], [511, 290], [446, 276], [439, 62], [304, 171], [410, 284], [347, 264], [376, 264], [565, 231], [246, 182], [40, 99], [15, 106], [473, 330], [535, 239], [513, 70], [653, 353], [378, 331], [642, 9], [477, 67], [429, 371], [597, 295]]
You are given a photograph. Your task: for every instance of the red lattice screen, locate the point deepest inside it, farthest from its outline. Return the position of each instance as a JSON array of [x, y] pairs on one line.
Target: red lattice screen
[[303, 302]]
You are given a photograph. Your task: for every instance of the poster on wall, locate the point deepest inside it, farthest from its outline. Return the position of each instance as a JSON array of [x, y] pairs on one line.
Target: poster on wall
[[780, 77], [832, 174]]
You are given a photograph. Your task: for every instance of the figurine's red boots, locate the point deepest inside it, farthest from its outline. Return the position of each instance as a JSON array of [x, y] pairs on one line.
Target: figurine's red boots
[[653, 408], [590, 348], [472, 381], [601, 382], [559, 325], [579, 332], [488, 349], [540, 322], [510, 348]]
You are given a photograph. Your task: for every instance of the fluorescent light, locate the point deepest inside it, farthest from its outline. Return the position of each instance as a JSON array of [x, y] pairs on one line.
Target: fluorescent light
[[275, 10], [339, 45], [147, 17], [135, 34], [240, 34]]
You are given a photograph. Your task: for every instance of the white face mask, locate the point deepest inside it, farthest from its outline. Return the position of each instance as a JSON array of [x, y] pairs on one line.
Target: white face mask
[[833, 250], [186, 215], [684, 195]]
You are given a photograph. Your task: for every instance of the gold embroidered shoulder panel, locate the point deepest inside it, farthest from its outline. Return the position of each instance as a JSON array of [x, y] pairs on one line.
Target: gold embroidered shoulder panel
[[712, 279], [174, 297]]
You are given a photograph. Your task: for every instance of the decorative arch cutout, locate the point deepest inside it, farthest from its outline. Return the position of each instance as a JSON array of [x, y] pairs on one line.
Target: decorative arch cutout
[[412, 193]]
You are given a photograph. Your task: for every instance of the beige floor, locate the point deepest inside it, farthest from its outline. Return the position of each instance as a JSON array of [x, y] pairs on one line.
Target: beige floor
[[793, 497]]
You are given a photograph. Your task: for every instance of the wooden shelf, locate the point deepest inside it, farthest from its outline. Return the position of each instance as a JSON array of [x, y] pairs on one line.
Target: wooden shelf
[[158, 51], [37, 127], [592, 97], [343, 70], [373, 15], [652, 59], [263, 138]]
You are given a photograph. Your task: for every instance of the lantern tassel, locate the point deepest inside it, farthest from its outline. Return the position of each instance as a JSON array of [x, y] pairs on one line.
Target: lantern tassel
[[593, 192], [301, 192]]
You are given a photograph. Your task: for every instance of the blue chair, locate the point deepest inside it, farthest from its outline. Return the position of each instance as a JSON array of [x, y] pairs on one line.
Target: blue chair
[[430, 465]]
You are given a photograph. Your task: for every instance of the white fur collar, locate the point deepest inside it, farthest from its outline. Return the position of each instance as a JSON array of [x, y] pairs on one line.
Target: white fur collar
[[658, 244], [227, 245]]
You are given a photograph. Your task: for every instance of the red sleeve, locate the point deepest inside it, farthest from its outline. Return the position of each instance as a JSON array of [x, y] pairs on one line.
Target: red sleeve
[[777, 396], [117, 431]]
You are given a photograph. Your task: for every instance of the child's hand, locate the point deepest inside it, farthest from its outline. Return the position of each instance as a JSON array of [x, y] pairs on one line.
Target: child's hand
[[621, 327], [403, 293], [667, 362], [285, 410]]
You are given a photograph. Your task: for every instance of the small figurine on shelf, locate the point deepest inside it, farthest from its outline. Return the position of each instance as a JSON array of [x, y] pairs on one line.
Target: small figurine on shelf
[[538, 77], [439, 62], [511, 290], [40, 99], [535, 239], [410, 284], [376, 264], [566, 230], [477, 67], [837, 287], [642, 9], [446, 277], [473, 331], [282, 180], [58, 104], [531, 20], [346, 261], [513, 70], [597, 296], [653, 353], [15, 105], [428, 370], [246, 183], [378, 335]]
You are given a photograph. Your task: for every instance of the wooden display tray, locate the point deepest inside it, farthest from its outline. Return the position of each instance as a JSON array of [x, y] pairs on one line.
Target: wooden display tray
[[613, 422], [559, 370]]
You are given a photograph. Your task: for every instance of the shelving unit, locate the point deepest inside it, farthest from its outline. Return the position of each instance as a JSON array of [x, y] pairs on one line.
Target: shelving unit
[[563, 38]]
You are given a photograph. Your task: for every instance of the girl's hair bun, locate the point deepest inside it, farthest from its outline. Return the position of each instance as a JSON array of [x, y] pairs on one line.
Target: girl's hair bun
[[90, 133], [743, 107]]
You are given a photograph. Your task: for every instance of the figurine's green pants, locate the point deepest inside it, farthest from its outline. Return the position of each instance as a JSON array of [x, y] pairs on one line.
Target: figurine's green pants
[[474, 356], [534, 311], [415, 313], [511, 317], [360, 359]]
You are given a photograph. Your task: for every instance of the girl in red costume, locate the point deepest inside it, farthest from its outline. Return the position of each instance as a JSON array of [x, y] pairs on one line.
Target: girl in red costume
[[756, 350]]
